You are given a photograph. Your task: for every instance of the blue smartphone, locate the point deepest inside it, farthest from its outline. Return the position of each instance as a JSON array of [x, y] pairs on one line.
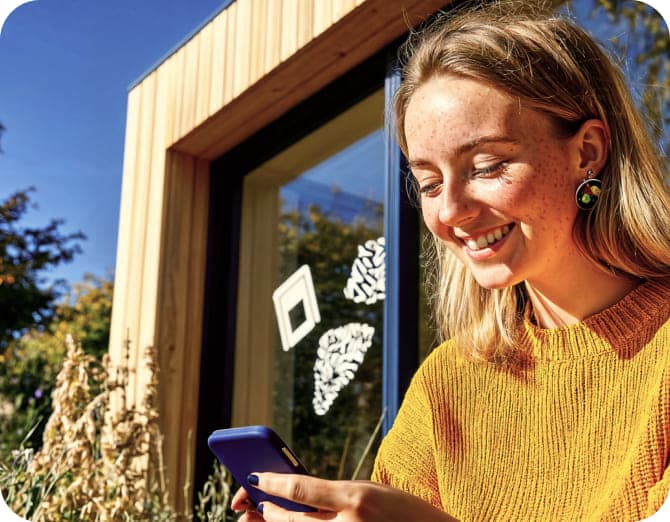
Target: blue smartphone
[[256, 448]]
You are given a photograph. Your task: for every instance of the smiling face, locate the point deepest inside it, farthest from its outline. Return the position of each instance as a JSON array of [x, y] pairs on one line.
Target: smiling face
[[496, 182]]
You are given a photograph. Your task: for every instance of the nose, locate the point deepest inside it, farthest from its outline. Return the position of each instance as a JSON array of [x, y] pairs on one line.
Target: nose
[[456, 207]]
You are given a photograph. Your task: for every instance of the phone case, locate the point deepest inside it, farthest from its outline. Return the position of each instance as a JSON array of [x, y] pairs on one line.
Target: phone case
[[256, 449]]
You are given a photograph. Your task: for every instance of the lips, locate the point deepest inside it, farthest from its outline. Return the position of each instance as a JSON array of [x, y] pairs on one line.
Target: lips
[[487, 239]]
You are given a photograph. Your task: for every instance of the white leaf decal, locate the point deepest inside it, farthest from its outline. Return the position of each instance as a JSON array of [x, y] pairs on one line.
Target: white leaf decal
[[340, 353], [367, 282]]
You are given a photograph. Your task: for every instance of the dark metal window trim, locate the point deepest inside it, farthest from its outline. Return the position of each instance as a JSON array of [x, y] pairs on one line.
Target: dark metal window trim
[[401, 229]]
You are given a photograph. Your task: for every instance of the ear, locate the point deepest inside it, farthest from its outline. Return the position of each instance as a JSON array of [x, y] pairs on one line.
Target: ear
[[593, 144]]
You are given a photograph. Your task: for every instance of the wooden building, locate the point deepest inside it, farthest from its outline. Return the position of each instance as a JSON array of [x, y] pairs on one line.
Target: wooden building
[[279, 84]]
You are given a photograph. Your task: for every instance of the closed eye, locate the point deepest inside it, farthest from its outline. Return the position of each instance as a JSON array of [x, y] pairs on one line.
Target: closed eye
[[493, 169], [429, 189]]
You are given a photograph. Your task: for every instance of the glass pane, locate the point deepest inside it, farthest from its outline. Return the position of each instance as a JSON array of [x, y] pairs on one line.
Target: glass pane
[[326, 392]]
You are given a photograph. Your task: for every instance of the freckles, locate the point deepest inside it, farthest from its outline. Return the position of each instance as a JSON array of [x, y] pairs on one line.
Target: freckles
[[551, 188], [428, 215]]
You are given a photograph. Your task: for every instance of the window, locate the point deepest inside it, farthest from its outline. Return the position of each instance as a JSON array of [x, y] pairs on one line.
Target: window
[[315, 211]]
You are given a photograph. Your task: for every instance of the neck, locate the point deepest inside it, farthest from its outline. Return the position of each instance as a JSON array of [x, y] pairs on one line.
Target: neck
[[569, 300]]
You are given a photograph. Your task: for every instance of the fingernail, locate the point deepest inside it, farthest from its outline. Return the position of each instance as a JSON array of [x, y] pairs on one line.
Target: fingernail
[[259, 508], [252, 479]]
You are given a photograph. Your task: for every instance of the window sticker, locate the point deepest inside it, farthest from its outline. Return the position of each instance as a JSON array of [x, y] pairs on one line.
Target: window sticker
[[367, 282], [341, 351], [296, 291]]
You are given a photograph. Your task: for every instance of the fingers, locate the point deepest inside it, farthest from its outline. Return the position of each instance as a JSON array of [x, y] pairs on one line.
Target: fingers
[[251, 516], [322, 494], [352, 501], [241, 501], [274, 513]]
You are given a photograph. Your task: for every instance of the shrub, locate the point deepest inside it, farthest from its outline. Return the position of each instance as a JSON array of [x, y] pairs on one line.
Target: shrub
[[99, 462]]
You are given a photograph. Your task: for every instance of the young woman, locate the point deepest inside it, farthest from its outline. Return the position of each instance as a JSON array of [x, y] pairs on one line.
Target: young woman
[[550, 398]]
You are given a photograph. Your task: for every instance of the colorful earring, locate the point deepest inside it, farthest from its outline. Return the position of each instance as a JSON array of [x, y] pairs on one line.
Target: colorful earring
[[588, 191]]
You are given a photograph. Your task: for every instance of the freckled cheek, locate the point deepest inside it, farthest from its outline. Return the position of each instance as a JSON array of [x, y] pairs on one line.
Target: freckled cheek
[[546, 203], [431, 218], [514, 201], [540, 184]]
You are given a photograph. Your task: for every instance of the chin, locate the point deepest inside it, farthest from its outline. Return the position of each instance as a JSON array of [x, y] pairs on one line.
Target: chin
[[496, 281]]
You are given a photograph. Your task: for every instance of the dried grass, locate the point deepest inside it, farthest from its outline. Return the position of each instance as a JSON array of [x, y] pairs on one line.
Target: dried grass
[[101, 463]]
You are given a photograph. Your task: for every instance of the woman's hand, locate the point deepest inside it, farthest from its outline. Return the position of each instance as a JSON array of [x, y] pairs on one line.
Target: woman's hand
[[340, 501], [242, 502]]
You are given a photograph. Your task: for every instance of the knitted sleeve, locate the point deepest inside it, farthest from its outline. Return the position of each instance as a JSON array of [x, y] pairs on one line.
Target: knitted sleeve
[[406, 457], [659, 493]]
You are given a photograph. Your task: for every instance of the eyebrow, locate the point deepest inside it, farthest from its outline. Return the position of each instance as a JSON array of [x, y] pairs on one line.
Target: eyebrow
[[469, 146]]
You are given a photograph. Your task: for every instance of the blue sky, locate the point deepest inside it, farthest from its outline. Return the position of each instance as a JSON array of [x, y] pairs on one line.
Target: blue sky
[[65, 70]]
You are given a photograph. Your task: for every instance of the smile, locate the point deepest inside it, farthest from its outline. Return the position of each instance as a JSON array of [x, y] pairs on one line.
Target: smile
[[488, 239]]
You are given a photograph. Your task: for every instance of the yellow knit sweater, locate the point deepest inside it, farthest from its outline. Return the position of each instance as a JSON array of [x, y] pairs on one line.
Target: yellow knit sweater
[[582, 434]]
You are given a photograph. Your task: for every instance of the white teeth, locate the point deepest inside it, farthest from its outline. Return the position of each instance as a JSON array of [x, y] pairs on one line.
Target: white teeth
[[485, 240]]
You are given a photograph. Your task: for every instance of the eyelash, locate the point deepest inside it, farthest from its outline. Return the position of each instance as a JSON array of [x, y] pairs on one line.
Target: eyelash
[[427, 189], [490, 170], [431, 187]]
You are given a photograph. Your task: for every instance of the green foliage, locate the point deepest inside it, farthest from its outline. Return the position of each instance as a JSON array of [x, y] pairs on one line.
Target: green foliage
[[29, 365], [26, 253], [28, 372], [86, 313], [639, 37], [649, 43]]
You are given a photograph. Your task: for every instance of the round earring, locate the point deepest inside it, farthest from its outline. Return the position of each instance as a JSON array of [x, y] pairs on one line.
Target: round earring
[[588, 191]]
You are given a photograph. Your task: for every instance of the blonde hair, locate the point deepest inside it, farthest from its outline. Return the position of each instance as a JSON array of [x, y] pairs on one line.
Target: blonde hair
[[552, 66]]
